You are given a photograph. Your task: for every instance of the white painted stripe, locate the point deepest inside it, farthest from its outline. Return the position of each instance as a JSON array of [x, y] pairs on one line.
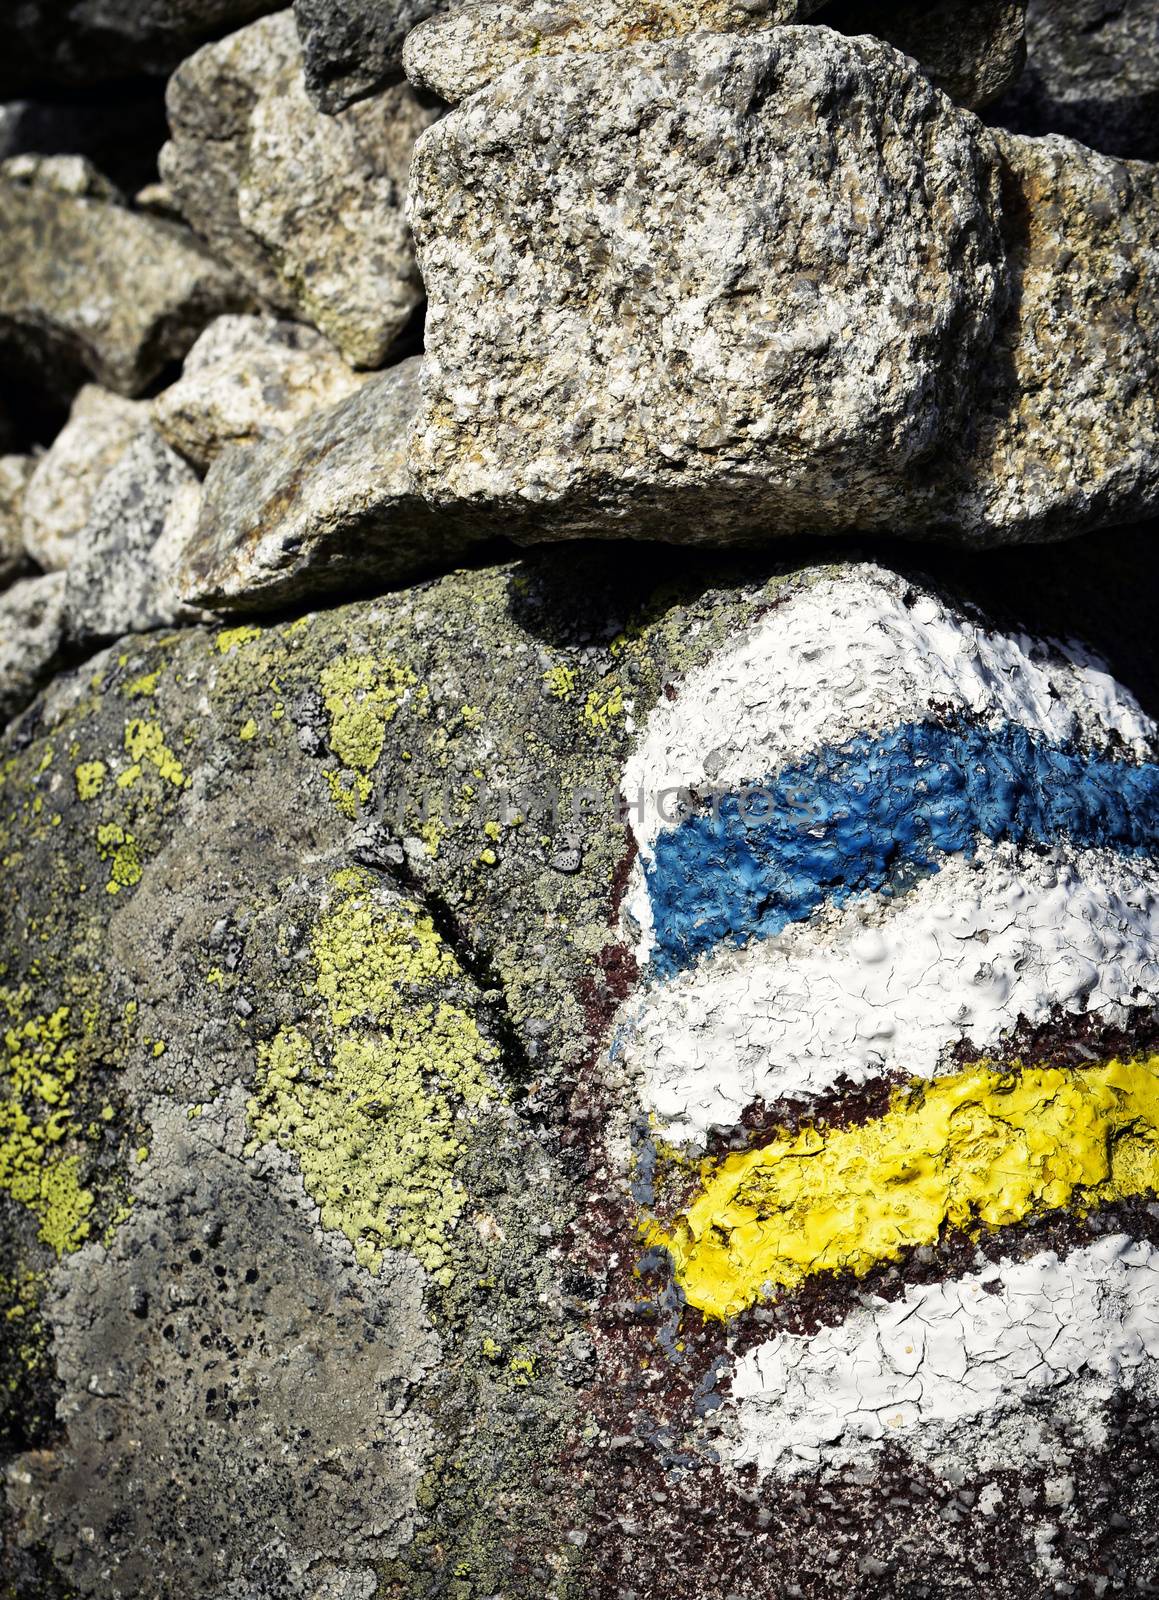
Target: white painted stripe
[[987, 1344], [846, 655], [884, 986]]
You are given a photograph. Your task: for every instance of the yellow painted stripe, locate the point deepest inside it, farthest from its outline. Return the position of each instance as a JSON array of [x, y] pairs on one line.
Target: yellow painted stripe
[[982, 1146]]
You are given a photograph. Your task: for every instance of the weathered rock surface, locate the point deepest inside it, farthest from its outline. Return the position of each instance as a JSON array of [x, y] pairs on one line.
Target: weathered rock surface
[[325, 509], [120, 579], [15, 472], [351, 48], [308, 208], [247, 379], [33, 636], [81, 42], [974, 51], [772, 285], [69, 255], [1093, 74], [59, 497], [335, 1018]]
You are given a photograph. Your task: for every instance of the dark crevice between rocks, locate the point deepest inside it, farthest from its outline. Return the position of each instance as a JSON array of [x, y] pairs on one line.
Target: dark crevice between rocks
[[372, 850]]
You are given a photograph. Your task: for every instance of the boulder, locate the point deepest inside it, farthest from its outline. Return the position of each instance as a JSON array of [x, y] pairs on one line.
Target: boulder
[[357, 1171], [120, 579], [326, 509], [60, 492], [68, 252], [247, 379], [973, 51], [1092, 74], [47, 44], [15, 472], [777, 284], [307, 208]]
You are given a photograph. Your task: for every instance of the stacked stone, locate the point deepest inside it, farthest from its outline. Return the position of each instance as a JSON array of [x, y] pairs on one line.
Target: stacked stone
[[630, 1067]]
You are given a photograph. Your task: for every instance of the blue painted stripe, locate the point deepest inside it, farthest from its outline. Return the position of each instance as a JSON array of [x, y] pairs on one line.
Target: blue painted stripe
[[874, 814]]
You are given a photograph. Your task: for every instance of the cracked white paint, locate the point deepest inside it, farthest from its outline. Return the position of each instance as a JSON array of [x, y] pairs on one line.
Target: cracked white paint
[[885, 986], [926, 1368], [848, 655]]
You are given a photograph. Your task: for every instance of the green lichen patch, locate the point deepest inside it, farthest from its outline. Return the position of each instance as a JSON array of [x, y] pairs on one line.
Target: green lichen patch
[[362, 695], [377, 1100]]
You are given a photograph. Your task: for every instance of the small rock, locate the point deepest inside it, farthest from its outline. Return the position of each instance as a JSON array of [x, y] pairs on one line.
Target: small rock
[[15, 472], [120, 580], [317, 511], [119, 133], [249, 378], [59, 498], [87, 286], [308, 208], [351, 48], [32, 639]]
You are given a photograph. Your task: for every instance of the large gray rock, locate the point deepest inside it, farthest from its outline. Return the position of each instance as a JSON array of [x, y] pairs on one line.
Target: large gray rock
[[325, 1236], [81, 42], [87, 286], [246, 379], [33, 638], [15, 471], [325, 509], [771, 285], [100, 428], [1092, 73], [308, 208], [120, 580], [972, 50]]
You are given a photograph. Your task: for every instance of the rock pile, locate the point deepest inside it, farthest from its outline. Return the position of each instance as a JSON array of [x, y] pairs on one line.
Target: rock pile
[[555, 1044]]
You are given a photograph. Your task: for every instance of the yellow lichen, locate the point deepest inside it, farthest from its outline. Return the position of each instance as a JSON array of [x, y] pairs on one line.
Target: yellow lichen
[[229, 638], [39, 1062], [601, 710], [559, 681], [984, 1146], [90, 779], [145, 744], [362, 695], [248, 730], [375, 1109], [116, 845], [145, 685]]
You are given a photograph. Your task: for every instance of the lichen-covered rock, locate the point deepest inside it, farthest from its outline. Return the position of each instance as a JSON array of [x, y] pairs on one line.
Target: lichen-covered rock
[[1092, 73], [351, 48], [308, 208], [120, 579], [87, 286], [973, 51], [326, 509], [777, 284], [350, 1176], [79, 42], [59, 497], [33, 636], [246, 379], [15, 472]]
